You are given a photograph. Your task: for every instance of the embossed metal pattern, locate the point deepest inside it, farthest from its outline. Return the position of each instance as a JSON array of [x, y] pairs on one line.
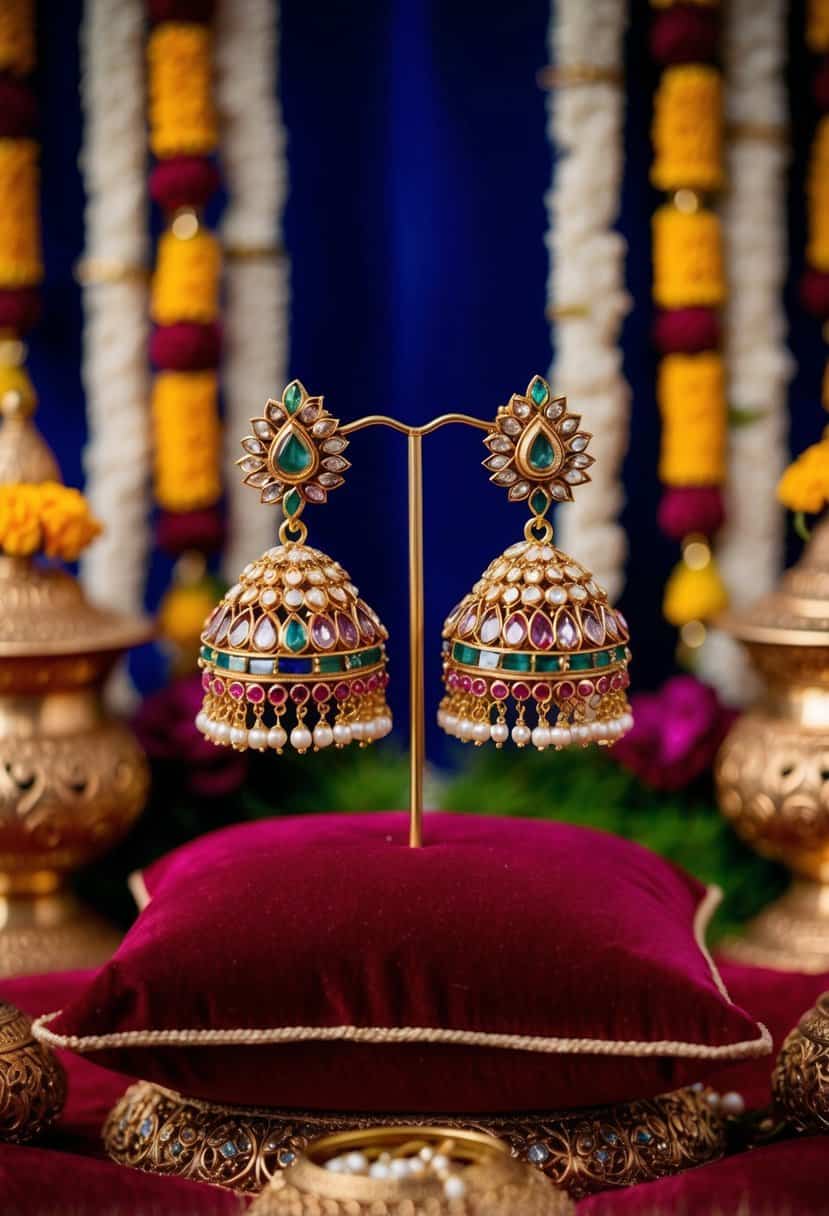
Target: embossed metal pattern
[[801, 1078], [583, 1151], [32, 1082]]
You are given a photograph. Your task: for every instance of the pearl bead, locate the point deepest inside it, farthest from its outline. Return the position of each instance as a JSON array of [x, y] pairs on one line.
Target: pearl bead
[[559, 737], [387, 724], [466, 728], [201, 722], [454, 1188], [370, 730], [521, 734], [342, 734], [335, 1166], [356, 1162], [379, 1170], [277, 737], [441, 717], [301, 738], [499, 732], [450, 723], [357, 730], [480, 732], [258, 738], [399, 1168], [238, 737], [222, 733], [732, 1103], [440, 1162], [323, 735], [426, 1153], [541, 737]]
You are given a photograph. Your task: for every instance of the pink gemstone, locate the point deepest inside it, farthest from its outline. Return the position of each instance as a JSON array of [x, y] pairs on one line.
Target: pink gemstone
[[358, 688], [542, 692], [566, 634], [616, 681], [602, 684], [321, 692], [478, 688], [236, 690], [520, 691], [625, 680], [256, 693], [592, 628], [277, 694], [499, 690], [206, 680], [566, 691], [299, 694], [323, 634], [365, 624], [468, 621], [585, 688], [341, 691], [384, 679], [490, 629], [541, 631], [372, 683], [347, 630], [218, 686], [515, 630], [466, 683], [453, 680]]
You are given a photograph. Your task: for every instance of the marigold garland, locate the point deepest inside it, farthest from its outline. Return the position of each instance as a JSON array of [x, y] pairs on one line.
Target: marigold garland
[[188, 440], [804, 487], [817, 199], [17, 37], [817, 26], [186, 279], [691, 394], [182, 115], [47, 518], [687, 129], [20, 257], [687, 259]]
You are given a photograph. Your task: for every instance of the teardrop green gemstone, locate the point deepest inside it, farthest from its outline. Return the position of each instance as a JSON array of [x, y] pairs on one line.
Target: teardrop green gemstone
[[293, 398], [292, 502], [295, 637], [539, 391], [539, 502], [542, 454], [293, 456]]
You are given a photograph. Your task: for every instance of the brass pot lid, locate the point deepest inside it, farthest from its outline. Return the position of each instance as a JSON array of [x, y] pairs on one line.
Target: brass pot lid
[[796, 613], [44, 612]]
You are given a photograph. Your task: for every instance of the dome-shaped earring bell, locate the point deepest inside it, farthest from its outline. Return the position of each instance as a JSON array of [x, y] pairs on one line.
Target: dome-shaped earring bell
[[535, 652], [292, 656]]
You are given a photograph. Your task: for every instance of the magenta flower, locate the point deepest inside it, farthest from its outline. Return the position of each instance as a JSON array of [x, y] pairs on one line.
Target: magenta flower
[[676, 733]]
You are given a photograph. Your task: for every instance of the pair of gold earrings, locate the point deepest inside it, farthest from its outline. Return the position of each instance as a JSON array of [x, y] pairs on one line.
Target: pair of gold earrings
[[292, 656]]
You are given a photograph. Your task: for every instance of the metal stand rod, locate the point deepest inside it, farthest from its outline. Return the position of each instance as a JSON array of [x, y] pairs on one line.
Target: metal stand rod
[[417, 713]]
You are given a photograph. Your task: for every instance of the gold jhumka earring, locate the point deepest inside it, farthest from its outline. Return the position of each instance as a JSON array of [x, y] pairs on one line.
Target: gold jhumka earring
[[536, 632], [292, 638]]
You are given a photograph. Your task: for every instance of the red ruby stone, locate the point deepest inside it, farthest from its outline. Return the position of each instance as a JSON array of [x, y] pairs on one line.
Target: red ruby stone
[[341, 691], [585, 688], [602, 684], [372, 683], [277, 695], [542, 692], [205, 680], [499, 690], [236, 690], [321, 692], [616, 682], [566, 690], [299, 694], [256, 693], [452, 680], [218, 686], [466, 683], [478, 688], [520, 691], [358, 688]]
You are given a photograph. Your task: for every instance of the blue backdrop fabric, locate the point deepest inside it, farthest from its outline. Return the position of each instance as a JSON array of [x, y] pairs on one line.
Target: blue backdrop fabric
[[418, 163]]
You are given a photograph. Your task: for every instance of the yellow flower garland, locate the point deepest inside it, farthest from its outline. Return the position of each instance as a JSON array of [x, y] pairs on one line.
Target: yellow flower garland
[[817, 199], [817, 26], [186, 280], [17, 37], [187, 439], [48, 518], [182, 115], [687, 259], [804, 487], [691, 394], [687, 129], [20, 257]]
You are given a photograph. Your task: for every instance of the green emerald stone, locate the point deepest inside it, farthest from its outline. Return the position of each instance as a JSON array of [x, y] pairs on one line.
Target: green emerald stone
[[295, 637], [539, 502], [620, 653], [464, 654], [293, 456], [292, 502], [542, 453], [293, 398], [539, 391], [517, 662], [547, 662], [601, 658], [581, 662], [370, 657], [222, 659], [330, 662]]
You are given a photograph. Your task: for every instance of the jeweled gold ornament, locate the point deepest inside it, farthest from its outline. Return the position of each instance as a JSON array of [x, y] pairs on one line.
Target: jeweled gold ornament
[[398, 1171], [32, 1081], [536, 631], [292, 655], [800, 1081]]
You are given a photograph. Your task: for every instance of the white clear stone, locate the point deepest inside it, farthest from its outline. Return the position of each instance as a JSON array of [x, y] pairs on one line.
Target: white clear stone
[[399, 1168], [579, 442], [379, 1169], [556, 595], [293, 577], [506, 477], [494, 463], [581, 462], [454, 1187], [577, 593], [277, 737], [499, 443], [293, 597], [575, 477], [568, 425], [555, 409], [514, 550], [511, 595], [440, 1162], [531, 595]]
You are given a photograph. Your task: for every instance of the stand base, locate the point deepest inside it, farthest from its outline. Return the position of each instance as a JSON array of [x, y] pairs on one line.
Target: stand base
[[52, 932], [792, 934]]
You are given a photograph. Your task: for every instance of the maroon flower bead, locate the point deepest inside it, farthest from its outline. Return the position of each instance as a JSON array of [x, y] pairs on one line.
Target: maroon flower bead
[[184, 181], [684, 33], [186, 346], [199, 12], [686, 330], [685, 509], [177, 532], [820, 84], [814, 292], [19, 309], [18, 108]]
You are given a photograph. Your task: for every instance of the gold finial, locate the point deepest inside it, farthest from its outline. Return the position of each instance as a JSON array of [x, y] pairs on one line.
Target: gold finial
[[24, 453]]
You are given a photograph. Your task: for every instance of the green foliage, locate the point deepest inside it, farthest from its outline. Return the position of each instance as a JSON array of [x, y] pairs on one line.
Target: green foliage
[[584, 787]]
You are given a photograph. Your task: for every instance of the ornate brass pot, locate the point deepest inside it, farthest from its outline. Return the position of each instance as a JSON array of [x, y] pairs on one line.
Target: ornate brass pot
[[72, 779], [772, 771]]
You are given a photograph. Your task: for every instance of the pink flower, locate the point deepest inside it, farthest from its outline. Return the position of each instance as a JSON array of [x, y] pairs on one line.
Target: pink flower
[[676, 733]]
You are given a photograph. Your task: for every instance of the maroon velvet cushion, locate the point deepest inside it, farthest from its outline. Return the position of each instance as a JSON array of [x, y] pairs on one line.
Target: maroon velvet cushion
[[319, 963]]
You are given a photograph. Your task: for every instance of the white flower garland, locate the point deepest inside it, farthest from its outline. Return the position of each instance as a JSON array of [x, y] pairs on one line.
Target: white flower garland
[[586, 292], [257, 275], [750, 546], [118, 455]]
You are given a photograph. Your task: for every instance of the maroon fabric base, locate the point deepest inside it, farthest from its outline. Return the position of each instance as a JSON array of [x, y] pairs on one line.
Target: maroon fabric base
[[496, 927], [68, 1174]]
